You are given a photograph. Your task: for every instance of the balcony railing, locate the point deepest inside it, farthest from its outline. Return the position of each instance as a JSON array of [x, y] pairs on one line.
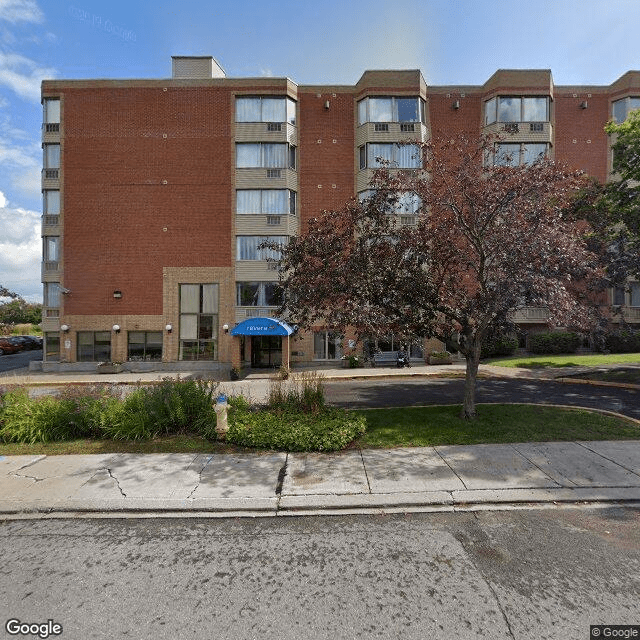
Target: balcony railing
[[531, 314]]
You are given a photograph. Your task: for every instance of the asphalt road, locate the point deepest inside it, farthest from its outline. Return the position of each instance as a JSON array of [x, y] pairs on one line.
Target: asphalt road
[[394, 392], [15, 361], [519, 575]]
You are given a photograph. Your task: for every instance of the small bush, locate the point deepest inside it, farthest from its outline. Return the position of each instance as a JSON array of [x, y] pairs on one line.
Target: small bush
[[305, 395], [623, 342], [47, 419], [329, 430], [554, 342], [499, 346]]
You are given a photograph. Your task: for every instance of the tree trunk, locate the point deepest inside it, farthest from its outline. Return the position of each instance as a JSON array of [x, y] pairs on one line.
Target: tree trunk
[[472, 357]]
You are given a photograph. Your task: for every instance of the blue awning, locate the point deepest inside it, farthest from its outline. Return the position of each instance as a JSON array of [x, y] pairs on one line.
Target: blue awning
[[262, 327]]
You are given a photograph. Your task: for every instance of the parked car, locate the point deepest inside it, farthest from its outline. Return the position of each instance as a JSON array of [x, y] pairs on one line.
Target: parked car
[[8, 346], [31, 342]]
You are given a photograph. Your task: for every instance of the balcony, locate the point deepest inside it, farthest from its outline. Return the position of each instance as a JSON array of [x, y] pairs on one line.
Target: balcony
[[530, 315], [51, 132]]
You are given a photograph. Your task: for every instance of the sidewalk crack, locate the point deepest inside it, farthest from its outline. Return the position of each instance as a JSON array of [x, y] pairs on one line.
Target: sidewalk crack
[[451, 468], [204, 466], [366, 475], [124, 495], [619, 464]]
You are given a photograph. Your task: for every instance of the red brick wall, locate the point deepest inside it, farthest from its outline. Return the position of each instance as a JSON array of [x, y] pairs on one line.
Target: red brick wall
[[321, 160], [586, 128], [116, 208], [447, 121]]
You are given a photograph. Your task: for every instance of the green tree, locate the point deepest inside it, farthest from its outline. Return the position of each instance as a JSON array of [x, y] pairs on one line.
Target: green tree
[[19, 311]]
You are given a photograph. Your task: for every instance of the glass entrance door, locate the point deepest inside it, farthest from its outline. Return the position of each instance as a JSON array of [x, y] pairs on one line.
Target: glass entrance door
[[266, 351]]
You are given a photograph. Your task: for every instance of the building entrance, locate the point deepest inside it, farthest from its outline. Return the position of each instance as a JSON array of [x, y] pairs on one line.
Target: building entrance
[[266, 351]]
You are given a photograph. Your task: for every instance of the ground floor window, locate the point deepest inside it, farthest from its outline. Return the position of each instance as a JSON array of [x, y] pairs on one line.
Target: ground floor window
[[94, 346], [327, 345], [198, 322], [393, 343], [145, 345], [52, 347]]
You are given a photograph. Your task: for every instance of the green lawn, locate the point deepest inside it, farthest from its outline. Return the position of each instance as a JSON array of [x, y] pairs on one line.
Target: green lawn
[[429, 426], [565, 360], [400, 427]]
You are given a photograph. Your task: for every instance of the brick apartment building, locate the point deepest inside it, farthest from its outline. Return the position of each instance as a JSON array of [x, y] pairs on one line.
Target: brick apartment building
[[158, 193]]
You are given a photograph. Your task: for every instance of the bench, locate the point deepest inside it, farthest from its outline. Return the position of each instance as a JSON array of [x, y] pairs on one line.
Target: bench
[[385, 357]]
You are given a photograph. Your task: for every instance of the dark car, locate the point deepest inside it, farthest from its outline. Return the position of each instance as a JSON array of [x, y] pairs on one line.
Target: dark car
[[8, 346], [31, 342]]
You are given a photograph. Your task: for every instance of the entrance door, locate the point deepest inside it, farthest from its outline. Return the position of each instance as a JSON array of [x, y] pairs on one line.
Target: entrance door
[[266, 351]]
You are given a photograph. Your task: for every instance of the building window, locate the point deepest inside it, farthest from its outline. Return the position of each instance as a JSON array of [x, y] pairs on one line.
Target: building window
[[516, 109], [622, 108], [51, 107], [249, 247], [403, 202], [50, 206], [258, 294], [634, 298], [52, 295], [257, 155], [94, 346], [619, 296], [327, 345], [266, 201], [509, 154], [144, 345], [391, 109], [52, 346], [50, 251], [265, 109], [198, 322], [51, 156], [393, 155]]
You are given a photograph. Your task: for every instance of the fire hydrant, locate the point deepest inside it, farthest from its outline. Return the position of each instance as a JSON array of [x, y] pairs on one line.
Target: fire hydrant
[[221, 409]]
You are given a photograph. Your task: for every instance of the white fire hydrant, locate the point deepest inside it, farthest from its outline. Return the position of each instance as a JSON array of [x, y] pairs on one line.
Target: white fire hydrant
[[221, 409]]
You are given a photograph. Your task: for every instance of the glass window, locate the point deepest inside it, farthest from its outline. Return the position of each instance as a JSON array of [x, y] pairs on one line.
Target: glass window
[[144, 345], [258, 294], [50, 248], [621, 108], [51, 156], [534, 110], [51, 202], [533, 152], [635, 294], [327, 345], [52, 110], [94, 346], [250, 155], [266, 109], [266, 201], [249, 247], [509, 109], [396, 156], [391, 109], [619, 295], [198, 322], [507, 155], [490, 113], [52, 295], [52, 346]]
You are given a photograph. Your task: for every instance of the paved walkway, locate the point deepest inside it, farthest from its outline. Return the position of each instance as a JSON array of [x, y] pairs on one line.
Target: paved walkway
[[445, 478], [369, 481]]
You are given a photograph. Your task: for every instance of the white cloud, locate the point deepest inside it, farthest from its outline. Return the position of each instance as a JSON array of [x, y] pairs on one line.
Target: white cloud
[[20, 11], [20, 249], [23, 75]]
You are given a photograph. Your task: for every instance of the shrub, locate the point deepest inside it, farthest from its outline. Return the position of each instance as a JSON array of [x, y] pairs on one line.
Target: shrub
[[554, 342], [328, 430], [304, 395], [499, 346], [622, 342], [46, 419]]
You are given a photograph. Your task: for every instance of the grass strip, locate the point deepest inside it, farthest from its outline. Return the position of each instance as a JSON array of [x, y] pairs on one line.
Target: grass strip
[[565, 360], [494, 424]]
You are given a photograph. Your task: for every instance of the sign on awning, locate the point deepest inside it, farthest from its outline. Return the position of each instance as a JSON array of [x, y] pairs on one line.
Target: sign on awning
[[262, 327]]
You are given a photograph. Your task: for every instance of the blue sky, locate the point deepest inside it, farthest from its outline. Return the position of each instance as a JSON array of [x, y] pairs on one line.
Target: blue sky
[[451, 41]]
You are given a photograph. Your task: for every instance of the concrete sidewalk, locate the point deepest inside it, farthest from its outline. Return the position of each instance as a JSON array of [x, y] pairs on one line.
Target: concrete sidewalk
[[445, 478]]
